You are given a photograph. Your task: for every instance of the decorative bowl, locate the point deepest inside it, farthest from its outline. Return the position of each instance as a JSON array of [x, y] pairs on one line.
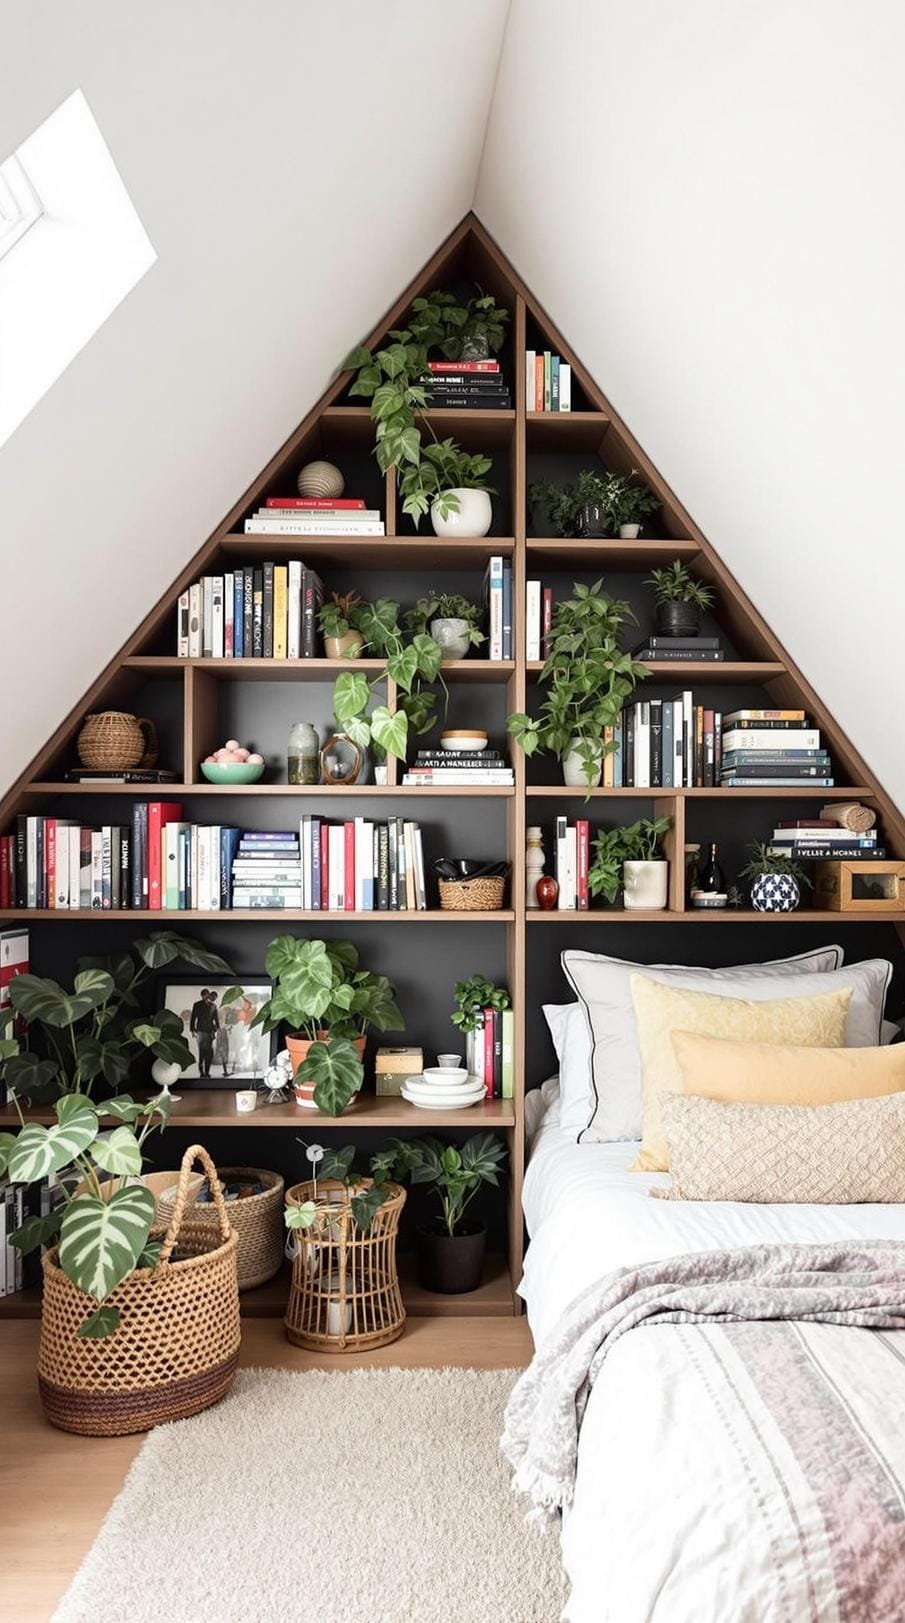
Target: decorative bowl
[[443, 1075], [463, 738], [232, 771]]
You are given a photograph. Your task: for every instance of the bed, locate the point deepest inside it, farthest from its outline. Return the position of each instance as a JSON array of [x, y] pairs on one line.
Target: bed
[[685, 1508]]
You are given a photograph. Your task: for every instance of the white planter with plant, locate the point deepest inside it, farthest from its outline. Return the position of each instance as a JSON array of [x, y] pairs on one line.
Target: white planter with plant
[[630, 503], [452, 484], [630, 860], [452, 620], [589, 678], [680, 600]]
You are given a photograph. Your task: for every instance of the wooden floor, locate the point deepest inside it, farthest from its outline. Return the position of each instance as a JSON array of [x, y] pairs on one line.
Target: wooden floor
[[56, 1489]]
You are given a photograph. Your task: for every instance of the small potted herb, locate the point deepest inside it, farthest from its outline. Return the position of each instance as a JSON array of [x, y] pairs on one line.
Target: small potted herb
[[680, 600], [453, 621], [450, 1249], [629, 504], [338, 622], [453, 484], [631, 859], [472, 997], [581, 508], [775, 880]]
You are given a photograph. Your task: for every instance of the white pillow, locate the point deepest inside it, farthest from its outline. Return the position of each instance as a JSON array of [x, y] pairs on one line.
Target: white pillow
[[572, 1041], [605, 1106]]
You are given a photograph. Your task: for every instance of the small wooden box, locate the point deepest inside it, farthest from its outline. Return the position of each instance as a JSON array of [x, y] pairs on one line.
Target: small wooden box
[[859, 887]]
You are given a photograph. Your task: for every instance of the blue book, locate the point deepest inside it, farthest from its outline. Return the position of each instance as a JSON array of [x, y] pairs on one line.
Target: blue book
[[554, 383], [239, 615], [229, 844]]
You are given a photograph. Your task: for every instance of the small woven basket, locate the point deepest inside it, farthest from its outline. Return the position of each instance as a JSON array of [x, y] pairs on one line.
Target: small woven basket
[[257, 1220], [472, 895], [345, 1294], [117, 741], [177, 1347]]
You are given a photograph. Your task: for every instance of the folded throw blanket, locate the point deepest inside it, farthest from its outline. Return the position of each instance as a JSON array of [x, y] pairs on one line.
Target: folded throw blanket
[[855, 1284]]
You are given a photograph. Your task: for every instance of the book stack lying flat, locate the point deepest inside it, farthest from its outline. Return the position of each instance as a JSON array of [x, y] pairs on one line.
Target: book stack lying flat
[[432, 768], [571, 854], [263, 612], [678, 649], [489, 1053], [548, 382], [267, 870], [819, 839], [314, 515], [773, 749], [467, 384]]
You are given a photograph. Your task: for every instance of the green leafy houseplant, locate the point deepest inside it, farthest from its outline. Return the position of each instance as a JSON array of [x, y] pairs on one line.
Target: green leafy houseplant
[[387, 1165], [442, 468], [456, 1173], [412, 659], [676, 584], [629, 502], [447, 606], [472, 997], [612, 847], [621, 499], [762, 862], [589, 679], [340, 615], [327, 1001]]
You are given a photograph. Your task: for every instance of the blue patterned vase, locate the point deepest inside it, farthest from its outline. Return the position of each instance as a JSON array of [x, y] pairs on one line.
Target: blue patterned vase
[[775, 893]]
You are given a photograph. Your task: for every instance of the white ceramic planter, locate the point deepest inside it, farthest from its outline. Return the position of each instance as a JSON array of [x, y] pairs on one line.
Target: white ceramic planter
[[472, 519], [645, 885], [452, 636], [629, 532], [573, 768]]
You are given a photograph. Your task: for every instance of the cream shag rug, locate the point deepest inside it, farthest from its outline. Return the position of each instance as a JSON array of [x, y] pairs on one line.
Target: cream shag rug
[[374, 1496]]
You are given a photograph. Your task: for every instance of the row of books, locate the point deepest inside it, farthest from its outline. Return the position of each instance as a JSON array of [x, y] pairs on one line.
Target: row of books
[[676, 743], [499, 608], [480, 385], [548, 382], [314, 515], [773, 748], [822, 839], [571, 859], [266, 612], [353, 867], [464, 767], [490, 1053]]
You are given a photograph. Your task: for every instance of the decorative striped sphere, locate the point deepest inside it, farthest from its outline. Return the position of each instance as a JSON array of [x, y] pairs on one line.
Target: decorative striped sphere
[[320, 479]]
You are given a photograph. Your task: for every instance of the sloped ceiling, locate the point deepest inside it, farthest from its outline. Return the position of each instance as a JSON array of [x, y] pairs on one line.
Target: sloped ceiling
[[706, 197]]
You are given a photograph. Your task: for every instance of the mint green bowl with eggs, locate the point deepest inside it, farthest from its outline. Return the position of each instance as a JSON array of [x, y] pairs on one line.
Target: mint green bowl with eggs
[[232, 772]]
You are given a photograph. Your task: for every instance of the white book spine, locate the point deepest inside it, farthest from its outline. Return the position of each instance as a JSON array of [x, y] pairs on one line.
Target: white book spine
[[97, 868], [337, 856], [207, 616], [305, 855], [294, 610], [495, 607], [229, 609], [256, 526], [182, 636], [560, 853], [201, 869], [565, 386], [61, 878], [217, 617], [678, 767], [215, 834], [688, 736], [368, 871], [532, 618], [642, 744], [420, 887], [530, 360], [799, 738], [195, 617], [74, 839]]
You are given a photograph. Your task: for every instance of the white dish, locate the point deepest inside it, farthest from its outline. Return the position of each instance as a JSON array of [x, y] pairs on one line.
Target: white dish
[[436, 1102], [468, 1084], [444, 1074]]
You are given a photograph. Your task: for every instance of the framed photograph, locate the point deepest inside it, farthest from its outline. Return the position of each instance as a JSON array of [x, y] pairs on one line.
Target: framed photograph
[[229, 1052]]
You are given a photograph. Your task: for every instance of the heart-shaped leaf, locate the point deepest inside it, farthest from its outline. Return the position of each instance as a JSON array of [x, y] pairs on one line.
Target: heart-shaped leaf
[[307, 980], [145, 1033], [122, 1108], [7, 1145], [350, 696], [150, 1255], [100, 1324], [115, 1063], [91, 1053], [118, 1152], [390, 731], [101, 1240], [37, 1231], [175, 1050], [336, 1070], [300, 1217], [366, 1205], [39, 1150], [37, 998]]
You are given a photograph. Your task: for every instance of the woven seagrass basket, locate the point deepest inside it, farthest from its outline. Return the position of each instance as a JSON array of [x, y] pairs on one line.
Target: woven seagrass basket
[[472, 895], [117, 740], [345, 1294], [257, 1220], [177, 1347]]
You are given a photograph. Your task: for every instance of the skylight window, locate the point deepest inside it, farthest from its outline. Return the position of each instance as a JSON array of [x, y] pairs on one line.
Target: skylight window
[[71, 248]]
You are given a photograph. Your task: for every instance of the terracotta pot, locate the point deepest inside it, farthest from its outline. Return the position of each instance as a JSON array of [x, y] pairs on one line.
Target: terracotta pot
[[450, 1264], [297, 1049], [339, 647]]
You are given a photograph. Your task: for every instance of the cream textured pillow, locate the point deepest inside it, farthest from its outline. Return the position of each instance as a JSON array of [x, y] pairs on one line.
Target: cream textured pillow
[[785, 1074], [661, 1010], [780, 1154]]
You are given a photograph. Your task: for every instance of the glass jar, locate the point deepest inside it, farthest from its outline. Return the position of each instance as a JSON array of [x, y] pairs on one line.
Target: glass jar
[[302, 753]]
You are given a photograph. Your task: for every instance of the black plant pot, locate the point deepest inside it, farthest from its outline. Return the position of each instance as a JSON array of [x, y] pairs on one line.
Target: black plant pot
[[678, 619], [454, 1265], [593, 520]]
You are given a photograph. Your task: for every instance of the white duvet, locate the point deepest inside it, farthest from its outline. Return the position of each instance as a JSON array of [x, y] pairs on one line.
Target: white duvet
[[645, 1539]]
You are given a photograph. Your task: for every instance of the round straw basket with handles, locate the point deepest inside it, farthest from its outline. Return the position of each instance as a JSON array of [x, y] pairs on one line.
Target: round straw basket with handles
[[177, 1346], [257, 1220]]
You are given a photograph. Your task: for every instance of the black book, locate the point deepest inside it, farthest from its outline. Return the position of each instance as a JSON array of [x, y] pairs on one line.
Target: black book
[[675, 656], [248, 598], [776, 769], [392, 867], [136, 889], [656, 743], [477, 402], [267, 634], [22, 861], [313, 597], [628, 747], [40, 863], [667, 643], [257, 624], [138, 775], [732, 724]]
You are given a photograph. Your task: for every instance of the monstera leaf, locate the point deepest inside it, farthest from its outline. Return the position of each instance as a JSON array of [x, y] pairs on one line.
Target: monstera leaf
[[390, 731], [118, 1152], [162, 947], [101, 1240], [39, 1150], [36, 998], [306, 978], [337, 1072]]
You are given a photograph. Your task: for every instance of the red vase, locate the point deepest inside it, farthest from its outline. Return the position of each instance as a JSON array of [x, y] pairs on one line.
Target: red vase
[[547, 889]]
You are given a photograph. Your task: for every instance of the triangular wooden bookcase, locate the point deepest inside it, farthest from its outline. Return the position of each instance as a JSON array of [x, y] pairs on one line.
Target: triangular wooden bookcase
[[514, 437]]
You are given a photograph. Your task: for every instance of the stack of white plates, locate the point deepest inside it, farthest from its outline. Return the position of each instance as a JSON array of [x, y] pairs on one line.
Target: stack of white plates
[[439, 1089]]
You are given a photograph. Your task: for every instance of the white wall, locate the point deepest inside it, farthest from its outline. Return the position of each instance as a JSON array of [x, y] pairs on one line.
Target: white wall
[[293, 164], [709, 199]]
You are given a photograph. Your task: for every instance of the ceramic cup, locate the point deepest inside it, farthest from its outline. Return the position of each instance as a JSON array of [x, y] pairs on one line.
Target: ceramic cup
[[449, 1062], [246, 1101]]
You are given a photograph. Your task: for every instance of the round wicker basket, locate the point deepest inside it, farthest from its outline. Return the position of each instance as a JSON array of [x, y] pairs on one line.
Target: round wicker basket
[[257, 1220], [345, 1294], [472, 895], [117, 740], [177, 1347]]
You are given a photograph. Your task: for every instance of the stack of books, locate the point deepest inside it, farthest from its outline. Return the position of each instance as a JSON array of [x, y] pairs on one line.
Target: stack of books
[[773, 749], [677, 649], [571, 857], [489, 1053], [498, 604], [664, 744], [467, 384], [315, 515], [266, 612], [436, 768], [819, 839], [18, 1202], [548, 382], [353, 867]]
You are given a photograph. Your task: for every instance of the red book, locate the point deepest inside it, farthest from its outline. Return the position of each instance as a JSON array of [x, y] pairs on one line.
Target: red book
[[5, 871], [809, 822], [160, 812], [50, 861], [325, 867], [464, 366], [349, 848], [539, 382], [324, 504], [547, 621], [488, 1053], [583, 846]]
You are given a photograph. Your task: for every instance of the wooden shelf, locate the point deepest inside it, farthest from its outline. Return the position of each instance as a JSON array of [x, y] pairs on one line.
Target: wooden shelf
[[216, 1107], [253, 791], [244, 915], [726, 672], [308, 670], [495, 424], [552, 791], [605, 555], [703, 915], [426, 552], [566, 430]]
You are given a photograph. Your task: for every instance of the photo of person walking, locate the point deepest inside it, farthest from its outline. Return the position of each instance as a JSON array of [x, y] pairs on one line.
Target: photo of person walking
[[217, 1023], [203, 1026]]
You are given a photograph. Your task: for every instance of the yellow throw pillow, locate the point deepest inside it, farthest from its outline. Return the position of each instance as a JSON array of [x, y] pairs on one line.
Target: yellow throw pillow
[[660, 1010], [785, 1073]]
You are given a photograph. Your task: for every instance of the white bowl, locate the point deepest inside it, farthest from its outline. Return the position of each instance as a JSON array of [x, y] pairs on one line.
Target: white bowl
[[461, 739], [444, 1074], [437, 1101]]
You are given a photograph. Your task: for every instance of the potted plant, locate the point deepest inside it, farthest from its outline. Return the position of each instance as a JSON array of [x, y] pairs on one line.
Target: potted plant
[[775, 879], [451, 1250], [629, 504], [329, 1004], [589, 679], [337, 620], [630, 859], [413, 660], [453, 621], [581, 508], [680, 600], [473, 996], [453, 484]]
